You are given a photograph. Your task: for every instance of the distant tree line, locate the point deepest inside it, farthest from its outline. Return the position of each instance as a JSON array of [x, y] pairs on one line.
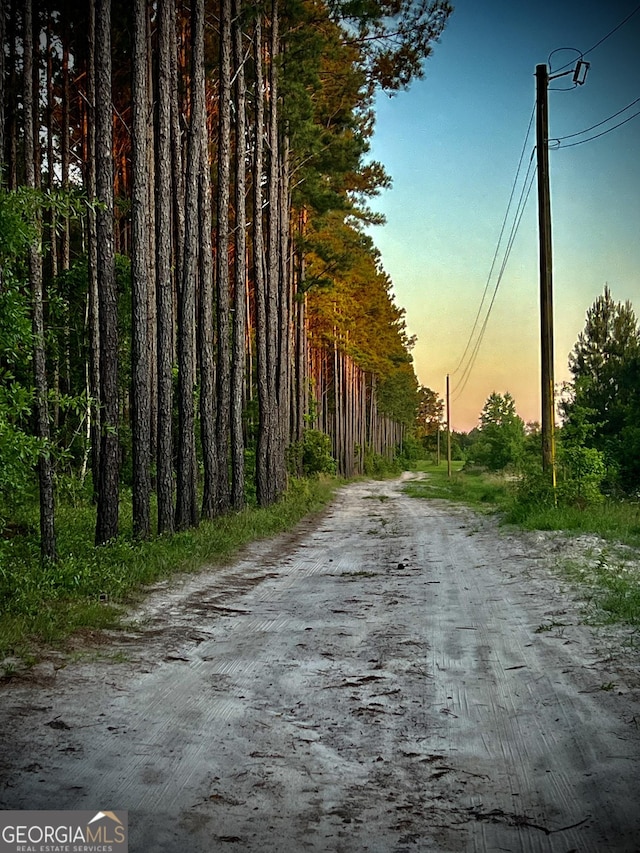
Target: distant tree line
[[187, 288]]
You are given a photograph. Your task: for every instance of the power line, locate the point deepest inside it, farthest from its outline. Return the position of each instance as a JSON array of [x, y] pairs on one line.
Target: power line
[[598, 135], [559, 50], [601, 41], [593, 126], [524, 197], [495, 254], [611, 32]]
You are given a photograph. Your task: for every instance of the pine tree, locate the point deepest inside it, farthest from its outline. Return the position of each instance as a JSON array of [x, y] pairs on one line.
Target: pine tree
[[601, 410], [186, 510], [238, 365], [164, 280], [223, 299], [31, 129], [108, 477], [141, 368]]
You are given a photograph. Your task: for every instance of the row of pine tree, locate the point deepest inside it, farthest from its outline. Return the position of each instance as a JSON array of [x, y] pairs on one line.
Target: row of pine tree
[[190, 181]]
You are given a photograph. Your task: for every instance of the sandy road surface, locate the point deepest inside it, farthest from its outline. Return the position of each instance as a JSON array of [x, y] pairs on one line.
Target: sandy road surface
[[373, 682]]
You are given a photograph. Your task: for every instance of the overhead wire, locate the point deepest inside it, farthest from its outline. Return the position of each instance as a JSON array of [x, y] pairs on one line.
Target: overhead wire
[[560, 139], [614, 30], [524, 196], [472, 345], [601, 41], [603, 133], [559, 50], [522, 203], [598, 124], [495, 254]]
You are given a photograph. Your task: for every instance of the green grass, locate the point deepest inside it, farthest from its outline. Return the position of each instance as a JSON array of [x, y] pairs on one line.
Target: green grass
[[87, 588], [617, 521], [615, 585], [615, 581], [486, 492]]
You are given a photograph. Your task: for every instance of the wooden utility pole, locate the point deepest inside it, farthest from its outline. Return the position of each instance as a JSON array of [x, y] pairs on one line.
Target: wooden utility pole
[[546, 270], [448, 431]]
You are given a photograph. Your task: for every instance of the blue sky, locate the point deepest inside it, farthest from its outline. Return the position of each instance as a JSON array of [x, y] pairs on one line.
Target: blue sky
[[451, 145]]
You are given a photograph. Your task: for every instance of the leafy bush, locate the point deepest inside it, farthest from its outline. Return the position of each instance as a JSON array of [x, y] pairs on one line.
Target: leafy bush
[[410, 452], [376, 465], [581, 472], [312, 455], [534, 490]]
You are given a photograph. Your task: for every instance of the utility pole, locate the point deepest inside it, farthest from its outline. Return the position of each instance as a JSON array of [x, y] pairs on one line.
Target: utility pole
[[546, 271], [448, 431], [546, 258]]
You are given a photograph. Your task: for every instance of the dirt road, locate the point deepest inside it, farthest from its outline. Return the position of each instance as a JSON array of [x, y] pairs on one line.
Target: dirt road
[[397, 675]]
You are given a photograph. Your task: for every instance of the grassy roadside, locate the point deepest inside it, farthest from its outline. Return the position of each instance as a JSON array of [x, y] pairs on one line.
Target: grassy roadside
[[87, 588], [485, 492], [611, 571]]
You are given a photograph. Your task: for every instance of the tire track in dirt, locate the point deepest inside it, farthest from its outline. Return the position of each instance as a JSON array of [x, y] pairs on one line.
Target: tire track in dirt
[[516, 740], [374, 682]]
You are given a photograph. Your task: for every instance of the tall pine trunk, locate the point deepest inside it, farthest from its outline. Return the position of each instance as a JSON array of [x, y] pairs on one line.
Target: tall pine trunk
[[270, 413], [93, 367], [205, 342], [140, 262], [45, 465], [52, 217], [53, 250], [240, 288], [186, 509], [164, 282], [265, 400], [151, 238], [276, 301], [65, 152], [285, 307], [11, 143], [222, 257], [109, 469], [177, 158]]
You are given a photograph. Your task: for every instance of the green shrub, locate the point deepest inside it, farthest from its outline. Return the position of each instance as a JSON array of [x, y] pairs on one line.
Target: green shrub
[[410, 452], [378, 466], [581, 471], [534, 490], [312, 455]]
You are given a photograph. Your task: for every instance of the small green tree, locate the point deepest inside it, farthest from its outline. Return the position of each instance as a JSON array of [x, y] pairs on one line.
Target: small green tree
[[19, 449], [601, 406], [429, 418], [500, 437]]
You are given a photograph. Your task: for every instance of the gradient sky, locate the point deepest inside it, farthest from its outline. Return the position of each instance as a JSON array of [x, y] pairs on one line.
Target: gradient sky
[[451, 145]]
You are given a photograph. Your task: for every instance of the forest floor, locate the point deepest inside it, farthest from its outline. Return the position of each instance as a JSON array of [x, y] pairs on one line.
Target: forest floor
[[394, 675]]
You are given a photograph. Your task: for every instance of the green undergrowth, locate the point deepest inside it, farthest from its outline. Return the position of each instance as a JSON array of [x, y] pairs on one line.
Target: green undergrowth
[[482, 491], [614, 581], [88, 587], [616, 521]]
